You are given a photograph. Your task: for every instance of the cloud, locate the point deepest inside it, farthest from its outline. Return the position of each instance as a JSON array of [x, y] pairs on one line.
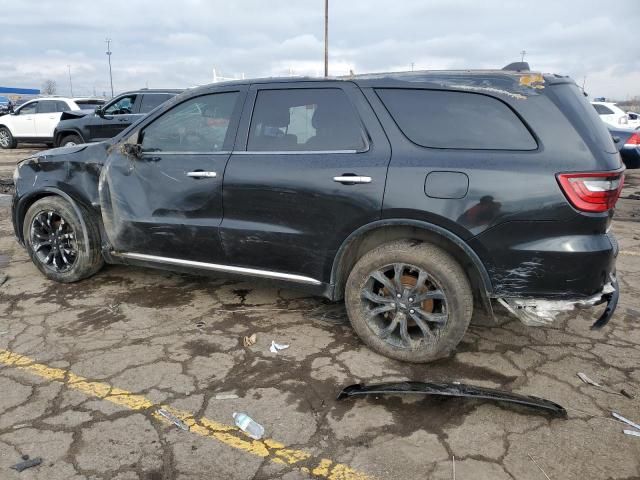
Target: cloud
[[166, 43]]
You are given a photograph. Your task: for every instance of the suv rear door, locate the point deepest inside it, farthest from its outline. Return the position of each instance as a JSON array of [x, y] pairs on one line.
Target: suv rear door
[[287, 204], [46, 118]]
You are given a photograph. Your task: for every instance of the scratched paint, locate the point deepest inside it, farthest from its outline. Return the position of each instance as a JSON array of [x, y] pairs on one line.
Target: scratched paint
[[269, 449]]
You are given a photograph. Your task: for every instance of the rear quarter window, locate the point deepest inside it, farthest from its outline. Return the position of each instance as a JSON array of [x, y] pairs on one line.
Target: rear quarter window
[[457, 120]]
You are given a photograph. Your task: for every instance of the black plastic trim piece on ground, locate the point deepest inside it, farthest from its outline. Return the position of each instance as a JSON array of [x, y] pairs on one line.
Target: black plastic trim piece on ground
[[454, 390]]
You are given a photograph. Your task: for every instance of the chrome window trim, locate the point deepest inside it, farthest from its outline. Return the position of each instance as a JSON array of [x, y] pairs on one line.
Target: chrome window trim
[[221, 152], [294, 152], [219, 268]]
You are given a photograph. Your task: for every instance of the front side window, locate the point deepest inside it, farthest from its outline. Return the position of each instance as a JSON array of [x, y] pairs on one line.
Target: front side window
[[457, 120], [122, 106], [199, 125], [314, 119], [29, 108]]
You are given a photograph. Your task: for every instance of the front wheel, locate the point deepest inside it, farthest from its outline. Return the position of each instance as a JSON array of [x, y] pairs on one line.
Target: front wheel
[[409, 301], [6, 139], [70, 141], [54, 237]]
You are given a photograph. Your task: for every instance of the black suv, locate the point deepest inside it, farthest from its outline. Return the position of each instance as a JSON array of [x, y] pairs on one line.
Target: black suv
[[109, 120], [419, 197]]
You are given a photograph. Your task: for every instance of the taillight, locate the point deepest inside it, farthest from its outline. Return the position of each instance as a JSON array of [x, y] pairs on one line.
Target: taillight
[[634, 140], [592, 192]]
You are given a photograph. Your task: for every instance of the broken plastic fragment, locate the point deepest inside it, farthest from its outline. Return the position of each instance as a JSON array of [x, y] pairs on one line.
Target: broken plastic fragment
[[33, 462], [250, 340], [587, 380], [226, 396], [173, 419], [632, 432], [626, 420], [277, 346]]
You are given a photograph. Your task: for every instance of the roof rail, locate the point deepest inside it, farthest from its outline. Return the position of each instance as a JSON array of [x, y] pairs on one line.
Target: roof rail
[[518, 67]]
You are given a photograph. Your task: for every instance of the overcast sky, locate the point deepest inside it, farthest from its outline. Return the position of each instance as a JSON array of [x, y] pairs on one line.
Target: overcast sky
[[177, 43]]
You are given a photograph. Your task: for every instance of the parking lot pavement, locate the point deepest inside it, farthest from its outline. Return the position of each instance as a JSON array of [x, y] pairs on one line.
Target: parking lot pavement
[[85, 367]]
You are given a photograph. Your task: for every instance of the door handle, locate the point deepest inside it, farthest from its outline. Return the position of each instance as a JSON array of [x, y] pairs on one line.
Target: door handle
[[348, 179], [201, 174]]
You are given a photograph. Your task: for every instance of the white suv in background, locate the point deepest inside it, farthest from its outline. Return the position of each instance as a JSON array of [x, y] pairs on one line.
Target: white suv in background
[[613, 115], [35, 120]]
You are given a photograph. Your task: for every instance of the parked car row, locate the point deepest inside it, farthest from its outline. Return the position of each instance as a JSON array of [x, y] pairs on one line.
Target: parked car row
[[613, 115], [70, 121]]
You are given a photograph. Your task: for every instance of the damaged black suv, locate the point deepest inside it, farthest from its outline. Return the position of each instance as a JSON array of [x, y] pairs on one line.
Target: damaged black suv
[[420, 198]]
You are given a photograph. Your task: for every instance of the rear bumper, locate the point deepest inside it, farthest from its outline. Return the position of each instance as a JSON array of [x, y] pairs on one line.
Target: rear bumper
[[543, 312]]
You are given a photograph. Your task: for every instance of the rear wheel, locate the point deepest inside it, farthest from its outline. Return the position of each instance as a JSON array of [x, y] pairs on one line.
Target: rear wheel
[[6, 139], [70, 141], [54, 238], [409, 301]]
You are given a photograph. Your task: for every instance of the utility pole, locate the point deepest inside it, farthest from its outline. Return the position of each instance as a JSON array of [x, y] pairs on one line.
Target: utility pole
[[412, 66], [326, 38], [70, 83], [108, 42], [522, 53], [584, 80]]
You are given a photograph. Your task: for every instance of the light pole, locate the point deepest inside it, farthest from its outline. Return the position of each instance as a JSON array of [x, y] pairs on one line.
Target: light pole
[[108, 42], [326, 38], [522, 53], [70, 83]]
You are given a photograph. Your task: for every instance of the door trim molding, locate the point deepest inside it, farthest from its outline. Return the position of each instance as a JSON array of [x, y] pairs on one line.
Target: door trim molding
[[218, 267]]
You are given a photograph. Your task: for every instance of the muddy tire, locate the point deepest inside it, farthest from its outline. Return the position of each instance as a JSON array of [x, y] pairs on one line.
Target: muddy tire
[[70, 140], [6, 139], [54, 238], [409, 301]]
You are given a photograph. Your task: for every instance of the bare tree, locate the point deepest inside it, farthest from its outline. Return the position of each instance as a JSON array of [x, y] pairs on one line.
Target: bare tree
[[49, 87]]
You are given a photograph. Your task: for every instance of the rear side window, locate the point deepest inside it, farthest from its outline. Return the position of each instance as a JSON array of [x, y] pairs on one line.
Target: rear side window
[[304, 119], [444, 119], [47, 106], [152, 100], [62, 106], [602, 110]]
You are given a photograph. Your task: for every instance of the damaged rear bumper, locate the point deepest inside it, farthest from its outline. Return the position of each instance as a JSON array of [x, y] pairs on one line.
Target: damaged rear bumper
[[537, 312]]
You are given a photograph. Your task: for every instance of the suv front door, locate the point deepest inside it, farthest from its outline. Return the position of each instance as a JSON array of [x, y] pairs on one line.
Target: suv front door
[[167, 202], [116, 116], [23, 123], [289, 202]]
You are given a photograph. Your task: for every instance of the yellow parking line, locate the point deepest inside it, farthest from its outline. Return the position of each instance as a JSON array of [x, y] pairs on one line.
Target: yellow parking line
[[229, 435]]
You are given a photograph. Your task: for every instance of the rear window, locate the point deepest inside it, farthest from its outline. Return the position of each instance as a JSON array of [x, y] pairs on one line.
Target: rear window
[[445, 119], [602, 110]]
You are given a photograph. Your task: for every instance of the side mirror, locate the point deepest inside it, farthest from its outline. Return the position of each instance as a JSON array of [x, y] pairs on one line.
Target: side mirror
[[132, 150], [99, 111]]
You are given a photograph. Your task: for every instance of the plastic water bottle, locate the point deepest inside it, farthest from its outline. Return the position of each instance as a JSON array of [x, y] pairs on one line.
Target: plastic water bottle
[[245, 423]]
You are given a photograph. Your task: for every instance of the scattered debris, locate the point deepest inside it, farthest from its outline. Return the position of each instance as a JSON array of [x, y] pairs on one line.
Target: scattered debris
[[587, 380], [536, 464], [454, 390], [250, 340], [113, 308], [626, 394], [249, 426], [200, 324], [27, 463], [275, 347], [453, 462], [3, 278], [632, 432], [226, 396], [173, 419], [626, 420]]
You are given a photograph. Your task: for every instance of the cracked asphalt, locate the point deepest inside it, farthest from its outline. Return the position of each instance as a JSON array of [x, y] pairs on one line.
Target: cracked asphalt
[[85, 367]]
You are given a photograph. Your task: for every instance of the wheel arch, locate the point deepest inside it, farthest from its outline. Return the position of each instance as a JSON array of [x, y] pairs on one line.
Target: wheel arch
[[383, 231], [25, 203], [68, 131]]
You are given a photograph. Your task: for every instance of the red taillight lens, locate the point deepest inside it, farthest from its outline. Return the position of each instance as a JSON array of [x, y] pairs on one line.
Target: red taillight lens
[[634, 139], [592, 192]]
